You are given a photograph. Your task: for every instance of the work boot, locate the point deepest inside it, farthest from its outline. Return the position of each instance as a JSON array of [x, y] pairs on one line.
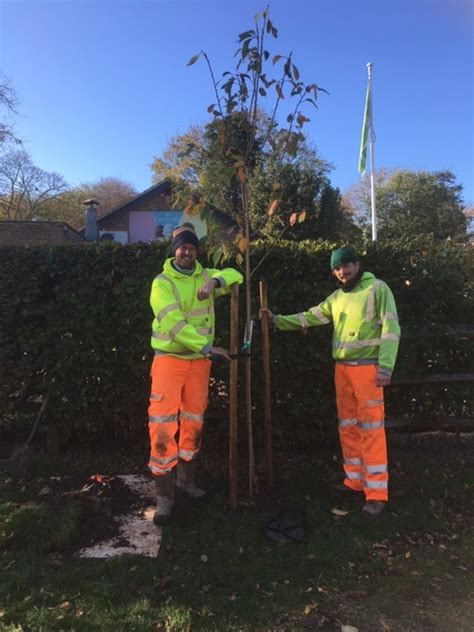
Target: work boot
[[164, 499], [374, 507], [344, 489], [185, 481]]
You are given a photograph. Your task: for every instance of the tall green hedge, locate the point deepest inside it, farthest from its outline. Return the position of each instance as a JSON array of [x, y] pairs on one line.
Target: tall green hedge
[[76, 320]]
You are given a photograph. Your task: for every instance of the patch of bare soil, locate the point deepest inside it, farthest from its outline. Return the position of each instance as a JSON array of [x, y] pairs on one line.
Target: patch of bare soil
[[100, 499]]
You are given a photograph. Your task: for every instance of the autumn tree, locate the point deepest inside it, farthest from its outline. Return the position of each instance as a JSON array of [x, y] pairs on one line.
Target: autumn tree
[[8, 105], [181, 160], [25, 189], [110, 192], [413, 203]]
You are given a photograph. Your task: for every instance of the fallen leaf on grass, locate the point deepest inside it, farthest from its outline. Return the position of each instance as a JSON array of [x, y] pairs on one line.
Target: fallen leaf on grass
[[204, 558], [349, 628]]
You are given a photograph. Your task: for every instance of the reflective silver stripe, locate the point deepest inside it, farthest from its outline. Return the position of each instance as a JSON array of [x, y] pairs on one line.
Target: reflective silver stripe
[[192, 416], [387, 336], [173, 286], [303, 321], [353, 476], [352, 461], [359, 362], [164, 460], [347, 422], [369, 314], [187, 454], [166, 310], [159, 352], [376, 484], [161, 470], [374, 402], [158, 336], [211, 297], [204, 331], [390, 316], [317, 313], [156, 396], [375, 469], [198, 312], [162, 419], [359, 344], [177, 328], [370, 425]]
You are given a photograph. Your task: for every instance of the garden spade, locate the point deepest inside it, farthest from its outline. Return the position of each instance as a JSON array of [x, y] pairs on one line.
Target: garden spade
[[22, 455]]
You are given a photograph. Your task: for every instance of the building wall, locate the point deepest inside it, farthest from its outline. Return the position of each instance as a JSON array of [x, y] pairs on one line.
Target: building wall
[[140, 218]]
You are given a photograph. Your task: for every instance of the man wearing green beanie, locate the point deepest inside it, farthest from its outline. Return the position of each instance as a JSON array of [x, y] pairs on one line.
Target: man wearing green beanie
[[365, 345]]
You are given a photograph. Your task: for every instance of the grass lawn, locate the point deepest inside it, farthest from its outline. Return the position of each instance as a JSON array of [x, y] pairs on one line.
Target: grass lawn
[[410, 570]]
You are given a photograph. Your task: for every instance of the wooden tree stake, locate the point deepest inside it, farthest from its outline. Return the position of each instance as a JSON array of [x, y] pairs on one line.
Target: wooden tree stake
[[267, 415], [233, 379]]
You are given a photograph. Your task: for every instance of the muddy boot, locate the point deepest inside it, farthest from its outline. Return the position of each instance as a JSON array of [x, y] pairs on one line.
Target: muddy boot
[[185, 481], [373, 507], [340, 488], [164, 499]]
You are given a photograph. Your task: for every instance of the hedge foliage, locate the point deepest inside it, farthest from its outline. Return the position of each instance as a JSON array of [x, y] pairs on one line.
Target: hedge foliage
[[76, 320]]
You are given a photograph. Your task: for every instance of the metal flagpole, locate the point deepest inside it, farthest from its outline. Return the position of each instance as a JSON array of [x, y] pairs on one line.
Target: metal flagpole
[[371, 154]]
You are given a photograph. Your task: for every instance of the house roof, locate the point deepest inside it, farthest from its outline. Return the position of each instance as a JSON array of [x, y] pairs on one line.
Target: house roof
[[165, 186], [16, 233]]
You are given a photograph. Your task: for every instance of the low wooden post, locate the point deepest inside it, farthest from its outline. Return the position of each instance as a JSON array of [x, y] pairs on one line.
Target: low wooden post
[[267, 414], [233, 379]]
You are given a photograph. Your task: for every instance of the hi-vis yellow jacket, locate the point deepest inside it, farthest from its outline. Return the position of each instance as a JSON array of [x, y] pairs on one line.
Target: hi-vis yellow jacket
[[365, 323], [183, 325]]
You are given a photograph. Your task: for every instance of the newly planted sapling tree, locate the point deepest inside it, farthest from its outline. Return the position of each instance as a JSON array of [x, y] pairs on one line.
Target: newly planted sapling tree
[[247, 110]]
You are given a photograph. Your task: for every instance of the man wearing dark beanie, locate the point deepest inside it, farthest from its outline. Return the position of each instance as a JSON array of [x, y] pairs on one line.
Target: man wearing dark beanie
[[365, 344], [182, 299]]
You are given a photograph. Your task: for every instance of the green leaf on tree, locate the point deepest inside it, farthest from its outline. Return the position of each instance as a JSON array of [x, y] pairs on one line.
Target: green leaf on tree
[[217, 255], [193, 60]]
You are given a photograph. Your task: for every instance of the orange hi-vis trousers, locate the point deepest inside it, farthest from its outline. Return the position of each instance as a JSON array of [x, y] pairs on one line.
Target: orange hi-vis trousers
[[178, 400], [360, 409]]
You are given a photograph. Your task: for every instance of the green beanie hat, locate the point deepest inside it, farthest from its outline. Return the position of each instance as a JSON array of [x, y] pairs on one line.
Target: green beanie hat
[[342, 255]]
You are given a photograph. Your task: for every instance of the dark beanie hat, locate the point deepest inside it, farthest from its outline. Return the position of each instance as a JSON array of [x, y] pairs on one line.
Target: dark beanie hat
[[184, 235], [342, 255]]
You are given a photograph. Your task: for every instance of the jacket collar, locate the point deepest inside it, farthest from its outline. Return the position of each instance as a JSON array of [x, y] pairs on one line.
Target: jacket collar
[[169, 270]]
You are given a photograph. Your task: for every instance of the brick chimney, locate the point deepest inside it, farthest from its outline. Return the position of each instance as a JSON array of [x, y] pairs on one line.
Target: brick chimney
[[92, 232]]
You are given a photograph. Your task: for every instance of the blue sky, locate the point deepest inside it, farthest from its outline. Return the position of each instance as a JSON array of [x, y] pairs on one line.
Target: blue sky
[[104, 85]]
